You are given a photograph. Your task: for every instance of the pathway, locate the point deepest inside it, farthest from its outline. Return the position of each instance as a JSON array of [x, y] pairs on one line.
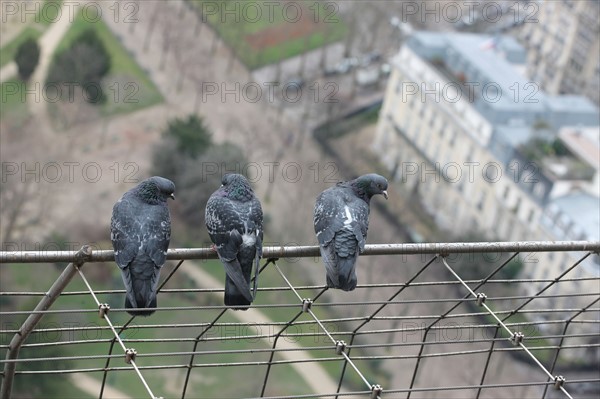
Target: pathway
[[48, 43], [93, 386]]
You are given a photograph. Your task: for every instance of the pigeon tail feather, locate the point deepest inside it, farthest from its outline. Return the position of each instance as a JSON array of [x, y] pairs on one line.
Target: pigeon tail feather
[[347, 274], [341, 272], [145, 313], [234, 298], [238, 279]]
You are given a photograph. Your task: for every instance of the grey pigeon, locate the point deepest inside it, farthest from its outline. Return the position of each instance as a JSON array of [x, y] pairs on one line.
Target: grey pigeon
[[234, 220], [341, 221], [140, 230]]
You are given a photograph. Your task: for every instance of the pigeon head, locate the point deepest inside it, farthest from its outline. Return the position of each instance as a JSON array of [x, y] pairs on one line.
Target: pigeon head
[[156, 190], [369, 185], [236, 187]]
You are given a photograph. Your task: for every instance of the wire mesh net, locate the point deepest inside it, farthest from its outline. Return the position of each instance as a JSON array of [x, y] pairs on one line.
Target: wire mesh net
[[469, 320]]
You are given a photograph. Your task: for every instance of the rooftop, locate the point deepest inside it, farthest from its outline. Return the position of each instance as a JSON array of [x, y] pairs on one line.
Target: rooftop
[[503, 93], [582, 208], [583, 142]]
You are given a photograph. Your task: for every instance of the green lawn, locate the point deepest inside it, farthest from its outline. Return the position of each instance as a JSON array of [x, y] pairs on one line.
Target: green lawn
[[50, 12], [127, 86], [12, 101], [262, 34]]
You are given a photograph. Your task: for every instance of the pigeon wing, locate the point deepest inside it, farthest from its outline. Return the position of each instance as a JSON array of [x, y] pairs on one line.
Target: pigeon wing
[[124, 232], [341, 223], [338, 209], [359, 212], [224, 225], [158, 235], [256, 224], [125, 235], [328, 216]]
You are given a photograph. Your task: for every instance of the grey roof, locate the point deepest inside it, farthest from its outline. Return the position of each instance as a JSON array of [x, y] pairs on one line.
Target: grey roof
[[584, 210], [569, 110], [514, 135], [486, 60]]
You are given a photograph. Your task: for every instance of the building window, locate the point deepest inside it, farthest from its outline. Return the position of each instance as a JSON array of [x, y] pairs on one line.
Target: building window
[[517, 206], [539, 190], [531, 216], [481, 201]]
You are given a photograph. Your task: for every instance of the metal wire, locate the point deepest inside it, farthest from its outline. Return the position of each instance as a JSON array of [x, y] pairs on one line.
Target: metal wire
[[303, 287], [553, 326], [126, 351]]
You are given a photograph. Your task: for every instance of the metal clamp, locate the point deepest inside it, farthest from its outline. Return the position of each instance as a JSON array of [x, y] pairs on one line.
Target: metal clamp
[[481, 297], [340, 347], [306, 304], [517, 338], [103, 309], [559, 381], [130, 355], [376, 391]]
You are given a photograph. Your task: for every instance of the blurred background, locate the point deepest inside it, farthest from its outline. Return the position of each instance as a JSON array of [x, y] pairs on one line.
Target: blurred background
[[482, 115]]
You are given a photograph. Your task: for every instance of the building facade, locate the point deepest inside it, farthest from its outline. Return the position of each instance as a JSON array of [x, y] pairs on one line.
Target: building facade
[[461, 129], [563, 42]]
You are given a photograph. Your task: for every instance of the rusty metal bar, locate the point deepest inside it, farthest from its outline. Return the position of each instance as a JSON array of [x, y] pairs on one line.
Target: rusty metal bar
[[79, 258]]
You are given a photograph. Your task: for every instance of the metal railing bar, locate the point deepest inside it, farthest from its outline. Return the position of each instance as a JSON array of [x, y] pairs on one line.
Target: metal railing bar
[[31, 322], [380, 331], [563, 335], [313, 251], [500, 322], [215, 320], [538, 295], [124, 327], [131, 360], [287, 325], [566, 316], [328, 304], [355, 332], [314, 316], [488, 358], [427, 389], [308, 287], [308, 348], [447, 312]]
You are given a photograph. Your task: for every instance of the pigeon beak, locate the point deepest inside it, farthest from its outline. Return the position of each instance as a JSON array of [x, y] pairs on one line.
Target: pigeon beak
[[172, 196], [385, 194]]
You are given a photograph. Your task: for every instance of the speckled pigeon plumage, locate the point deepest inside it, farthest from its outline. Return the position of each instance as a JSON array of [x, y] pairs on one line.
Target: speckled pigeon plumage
[[140, 230], [341, 221], [234, 220]]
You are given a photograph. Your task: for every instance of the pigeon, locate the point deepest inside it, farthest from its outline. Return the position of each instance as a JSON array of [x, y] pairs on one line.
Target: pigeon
[[140, 230], [234, 221], [341, 220]]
